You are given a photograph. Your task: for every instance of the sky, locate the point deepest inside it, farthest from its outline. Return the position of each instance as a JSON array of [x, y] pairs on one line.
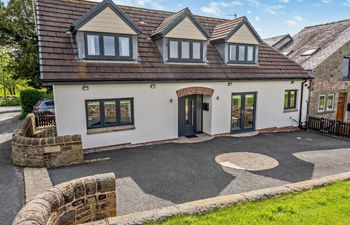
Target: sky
[[269, 17]]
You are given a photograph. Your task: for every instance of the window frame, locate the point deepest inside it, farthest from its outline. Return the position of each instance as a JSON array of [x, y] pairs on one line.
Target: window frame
[[179, 51], [245, 61], [347, 77], [325, 103], [118, 122], [101, 46], [289, 98]]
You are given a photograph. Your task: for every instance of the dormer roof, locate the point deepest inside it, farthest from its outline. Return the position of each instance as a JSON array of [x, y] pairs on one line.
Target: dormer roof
[[224, 31], [100, 8], [170, 22]]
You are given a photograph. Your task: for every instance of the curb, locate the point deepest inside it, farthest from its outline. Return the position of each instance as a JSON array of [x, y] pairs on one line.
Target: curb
[[205, 205]]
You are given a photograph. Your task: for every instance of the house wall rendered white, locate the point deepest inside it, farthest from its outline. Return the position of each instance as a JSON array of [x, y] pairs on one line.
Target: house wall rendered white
[[156, 117]]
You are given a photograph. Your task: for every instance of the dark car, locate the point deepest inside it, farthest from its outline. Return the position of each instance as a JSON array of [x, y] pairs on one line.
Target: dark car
[[44, 106]]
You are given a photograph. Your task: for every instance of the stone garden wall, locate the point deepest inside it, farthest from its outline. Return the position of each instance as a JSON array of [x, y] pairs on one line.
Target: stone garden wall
[[32, 147], [74, 202]]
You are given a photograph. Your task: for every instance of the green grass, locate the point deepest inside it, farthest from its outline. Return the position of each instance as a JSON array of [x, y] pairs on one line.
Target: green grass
[[327, 205]]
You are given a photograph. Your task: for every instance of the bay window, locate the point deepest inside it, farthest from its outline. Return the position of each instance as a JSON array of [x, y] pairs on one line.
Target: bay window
[[103, 46]]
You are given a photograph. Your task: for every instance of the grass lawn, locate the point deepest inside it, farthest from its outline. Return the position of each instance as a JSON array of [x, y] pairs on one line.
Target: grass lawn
[[327, 206]]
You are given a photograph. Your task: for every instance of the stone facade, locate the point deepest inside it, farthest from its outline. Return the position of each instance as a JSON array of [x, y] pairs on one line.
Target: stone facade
[[29, 150], [74, 202], [328, 80]]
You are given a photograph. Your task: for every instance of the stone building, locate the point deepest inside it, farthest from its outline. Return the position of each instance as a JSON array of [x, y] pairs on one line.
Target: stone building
[[324, 51]]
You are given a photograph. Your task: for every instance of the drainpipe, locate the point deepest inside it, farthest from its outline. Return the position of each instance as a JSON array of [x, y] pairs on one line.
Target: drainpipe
[[301, 104]]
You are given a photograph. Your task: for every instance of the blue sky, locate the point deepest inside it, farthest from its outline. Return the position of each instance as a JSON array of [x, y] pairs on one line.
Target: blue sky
[[269, 17]]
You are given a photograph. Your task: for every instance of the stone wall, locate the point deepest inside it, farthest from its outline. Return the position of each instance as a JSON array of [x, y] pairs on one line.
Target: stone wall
[[28, 150], [78, 201], [328, 80]]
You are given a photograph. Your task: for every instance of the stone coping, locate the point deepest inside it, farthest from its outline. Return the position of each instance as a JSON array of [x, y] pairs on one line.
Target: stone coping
[[205, 205], [74, 202]]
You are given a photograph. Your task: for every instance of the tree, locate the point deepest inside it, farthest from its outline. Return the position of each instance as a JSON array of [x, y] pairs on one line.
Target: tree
[[17, 32]]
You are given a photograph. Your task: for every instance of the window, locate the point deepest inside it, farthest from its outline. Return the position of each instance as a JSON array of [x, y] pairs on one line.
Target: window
[[108, 46], [290, 99], [185, 51], [309, 52], [109, 113], [346, 68], [330, 102], [321, 103], [242, 54]]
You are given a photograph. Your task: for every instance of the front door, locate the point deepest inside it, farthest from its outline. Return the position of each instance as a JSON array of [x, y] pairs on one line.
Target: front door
[[341, 106], [187, 115], [243, 111]]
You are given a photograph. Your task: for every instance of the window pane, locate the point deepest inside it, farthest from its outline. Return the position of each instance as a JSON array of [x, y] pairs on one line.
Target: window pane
[[330, 102], [93, 45], [174, 54], [196, 52], [286, 97], [110, 112], [109, 45], [93, 113], [124, 46], [125, 112], [292, 99], [321, 103], [185, 50], [250, 53], [233, 52], [346, 67], [241, 54]]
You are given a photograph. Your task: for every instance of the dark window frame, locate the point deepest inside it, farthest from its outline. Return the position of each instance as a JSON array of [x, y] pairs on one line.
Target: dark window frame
[[347, 77], [179, 51], [245, 61], [289, 106], [101, 45], [118, 122]]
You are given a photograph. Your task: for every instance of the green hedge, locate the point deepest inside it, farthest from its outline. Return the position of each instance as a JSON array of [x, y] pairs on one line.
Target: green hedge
[[10, 101], [29, 98]]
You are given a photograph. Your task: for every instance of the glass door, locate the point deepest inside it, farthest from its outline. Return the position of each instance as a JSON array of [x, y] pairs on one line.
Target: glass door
[[243, 111]]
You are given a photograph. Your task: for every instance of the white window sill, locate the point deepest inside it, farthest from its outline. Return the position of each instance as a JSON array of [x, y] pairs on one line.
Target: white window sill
[[110, 129]]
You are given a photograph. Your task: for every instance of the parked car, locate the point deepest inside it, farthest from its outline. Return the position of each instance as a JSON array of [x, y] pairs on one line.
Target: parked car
[[44, 106]]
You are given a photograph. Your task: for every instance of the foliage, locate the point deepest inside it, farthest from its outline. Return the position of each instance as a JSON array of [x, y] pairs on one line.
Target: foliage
[[327, 205], [17, 34], [10, 101], [29, 98]]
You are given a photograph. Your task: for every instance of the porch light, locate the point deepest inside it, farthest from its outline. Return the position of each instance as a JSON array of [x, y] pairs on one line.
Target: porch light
[[153, 86], [229, 84], [85, 88]]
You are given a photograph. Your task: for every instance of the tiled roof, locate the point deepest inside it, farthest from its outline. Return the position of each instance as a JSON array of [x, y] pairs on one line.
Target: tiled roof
[[327, 38], [223, 29], [272, 41], [59, 62]]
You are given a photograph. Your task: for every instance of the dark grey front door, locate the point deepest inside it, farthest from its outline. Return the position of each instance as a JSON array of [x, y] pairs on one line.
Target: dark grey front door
[[187, 115]]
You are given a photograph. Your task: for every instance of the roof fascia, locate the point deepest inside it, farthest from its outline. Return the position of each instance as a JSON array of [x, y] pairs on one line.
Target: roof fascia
[[99, 8]]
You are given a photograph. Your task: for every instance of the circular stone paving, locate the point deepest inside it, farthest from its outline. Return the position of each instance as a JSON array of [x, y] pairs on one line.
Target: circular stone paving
[[246, 161]]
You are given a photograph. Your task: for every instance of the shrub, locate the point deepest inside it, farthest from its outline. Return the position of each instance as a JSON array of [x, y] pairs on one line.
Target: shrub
[[28, 99], [10, 101]]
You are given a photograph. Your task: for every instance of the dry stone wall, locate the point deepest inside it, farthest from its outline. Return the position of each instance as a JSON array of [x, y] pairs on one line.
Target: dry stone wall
[[28, 150], [78, 201]]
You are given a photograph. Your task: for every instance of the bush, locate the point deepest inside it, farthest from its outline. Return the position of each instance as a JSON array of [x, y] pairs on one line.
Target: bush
[[10, 101], [29, 98]]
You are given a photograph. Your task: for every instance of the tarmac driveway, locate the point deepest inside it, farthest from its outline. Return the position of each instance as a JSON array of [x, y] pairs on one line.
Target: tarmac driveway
[[161, 175]]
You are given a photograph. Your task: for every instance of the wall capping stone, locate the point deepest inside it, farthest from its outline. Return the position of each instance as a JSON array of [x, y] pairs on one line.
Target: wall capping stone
[[74, 202], [31, 151]]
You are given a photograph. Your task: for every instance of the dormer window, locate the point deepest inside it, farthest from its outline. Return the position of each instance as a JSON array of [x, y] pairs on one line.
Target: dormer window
[[242, 53], [108, 46], [185, 51]]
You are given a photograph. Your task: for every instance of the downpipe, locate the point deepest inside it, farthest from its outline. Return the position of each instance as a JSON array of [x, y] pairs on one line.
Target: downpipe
[[301, 104]]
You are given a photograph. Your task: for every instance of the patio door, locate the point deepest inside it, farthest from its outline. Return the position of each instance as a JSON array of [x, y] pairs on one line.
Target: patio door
[[243, 111]]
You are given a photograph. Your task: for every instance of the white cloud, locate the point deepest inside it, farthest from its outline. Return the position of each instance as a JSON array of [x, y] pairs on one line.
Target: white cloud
[[295, 21], [215, 8], [257, 18], [273, 9], [327, 1], [347, 3], [255, 3], [284, 1]]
